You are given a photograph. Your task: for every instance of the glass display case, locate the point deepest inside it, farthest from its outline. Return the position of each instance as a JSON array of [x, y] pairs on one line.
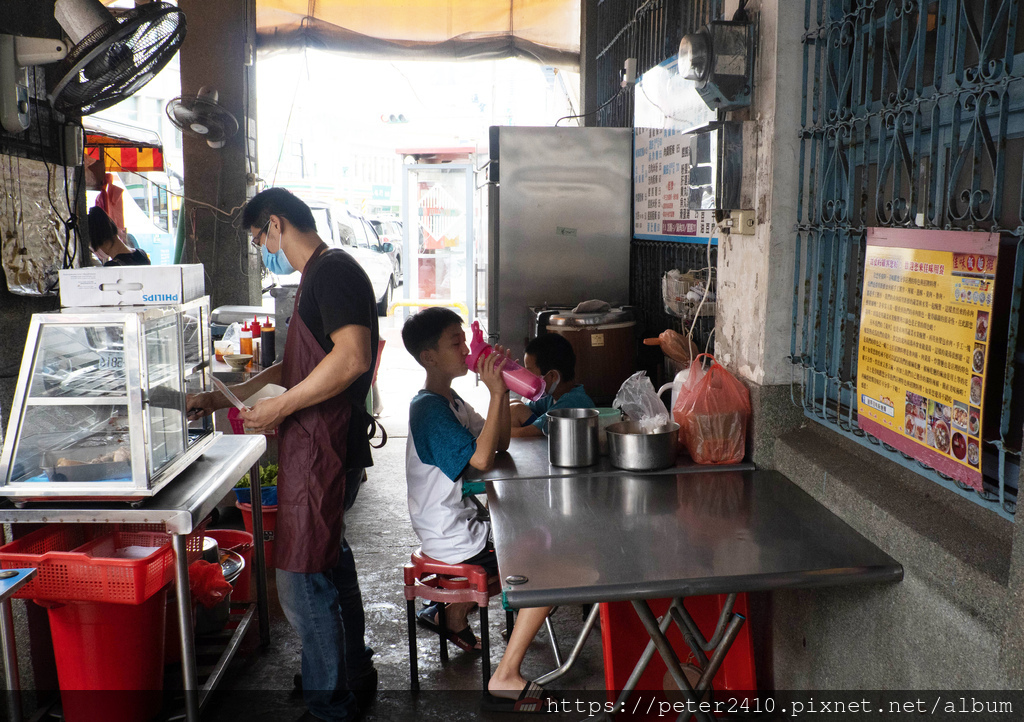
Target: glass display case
[[99, 409]]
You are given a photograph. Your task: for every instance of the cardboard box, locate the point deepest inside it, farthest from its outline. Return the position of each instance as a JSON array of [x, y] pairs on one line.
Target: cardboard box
[[132, 285]]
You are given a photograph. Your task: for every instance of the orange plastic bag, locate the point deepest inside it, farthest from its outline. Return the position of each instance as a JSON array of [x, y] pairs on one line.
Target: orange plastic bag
[[712, 412]]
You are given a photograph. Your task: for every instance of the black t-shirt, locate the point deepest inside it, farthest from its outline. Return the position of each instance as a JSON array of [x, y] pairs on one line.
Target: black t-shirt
[[335, 293], [135, 258]]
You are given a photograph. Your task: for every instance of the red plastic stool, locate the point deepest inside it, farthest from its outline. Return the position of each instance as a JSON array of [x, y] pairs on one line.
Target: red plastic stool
[[435, 581]]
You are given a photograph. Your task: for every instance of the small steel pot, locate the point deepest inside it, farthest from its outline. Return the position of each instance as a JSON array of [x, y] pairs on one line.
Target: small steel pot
[[629, 447], [572, 437]]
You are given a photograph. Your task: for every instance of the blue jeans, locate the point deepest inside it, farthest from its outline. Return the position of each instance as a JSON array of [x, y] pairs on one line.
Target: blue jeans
[[326, 611]]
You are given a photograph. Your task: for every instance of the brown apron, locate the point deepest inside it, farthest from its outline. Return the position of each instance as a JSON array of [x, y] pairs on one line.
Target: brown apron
[[311, 456]]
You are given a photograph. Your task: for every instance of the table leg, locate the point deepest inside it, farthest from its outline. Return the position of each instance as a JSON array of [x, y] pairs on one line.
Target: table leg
[[259, 556], [189, 678], [588, 626], [668, 655], [10, 655]]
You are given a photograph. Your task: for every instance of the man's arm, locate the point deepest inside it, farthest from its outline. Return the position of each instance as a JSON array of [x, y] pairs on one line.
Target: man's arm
[[350, 358], [206, 403]]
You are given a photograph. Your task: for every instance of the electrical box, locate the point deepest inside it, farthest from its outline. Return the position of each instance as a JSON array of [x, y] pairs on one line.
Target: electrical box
[[723, 158]]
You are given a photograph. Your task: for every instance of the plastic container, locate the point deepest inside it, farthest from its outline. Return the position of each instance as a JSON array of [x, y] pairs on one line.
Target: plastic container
[[110, 658], [245, 340], [517, 378], [268, 350], [268, 495], [269, 524], [73, 567], [241, 542]]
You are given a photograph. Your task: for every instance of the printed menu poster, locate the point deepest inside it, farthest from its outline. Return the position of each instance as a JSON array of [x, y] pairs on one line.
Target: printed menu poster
[[661, 188], [924, 335]]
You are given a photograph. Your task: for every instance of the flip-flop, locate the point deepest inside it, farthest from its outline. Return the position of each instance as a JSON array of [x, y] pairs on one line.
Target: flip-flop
[[463, 639], [533, 698]]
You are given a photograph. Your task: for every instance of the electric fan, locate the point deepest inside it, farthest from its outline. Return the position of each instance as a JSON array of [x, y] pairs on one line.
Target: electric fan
[[201, 116], [110, 57]]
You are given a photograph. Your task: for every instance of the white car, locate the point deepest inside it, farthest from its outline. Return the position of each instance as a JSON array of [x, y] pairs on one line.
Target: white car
[[341, 228], [390, 231]]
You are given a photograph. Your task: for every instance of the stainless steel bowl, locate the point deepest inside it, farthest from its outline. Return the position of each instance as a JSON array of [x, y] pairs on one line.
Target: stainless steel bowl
[[629, 447]]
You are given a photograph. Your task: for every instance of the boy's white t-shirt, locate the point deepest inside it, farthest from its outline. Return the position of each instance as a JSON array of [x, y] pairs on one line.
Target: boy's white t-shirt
[[442, 439]]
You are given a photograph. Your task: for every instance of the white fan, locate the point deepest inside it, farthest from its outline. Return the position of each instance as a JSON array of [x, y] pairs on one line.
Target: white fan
[[201, 116]]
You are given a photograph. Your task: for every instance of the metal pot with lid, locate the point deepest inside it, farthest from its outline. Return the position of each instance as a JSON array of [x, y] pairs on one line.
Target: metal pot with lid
[[605, 347]]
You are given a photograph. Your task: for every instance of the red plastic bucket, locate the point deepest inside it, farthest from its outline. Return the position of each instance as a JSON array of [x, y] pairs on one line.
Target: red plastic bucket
[[241, 542], [110, 658], [269, 524]]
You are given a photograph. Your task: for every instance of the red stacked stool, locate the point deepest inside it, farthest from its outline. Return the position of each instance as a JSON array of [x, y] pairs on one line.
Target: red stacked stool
[[435, 581]]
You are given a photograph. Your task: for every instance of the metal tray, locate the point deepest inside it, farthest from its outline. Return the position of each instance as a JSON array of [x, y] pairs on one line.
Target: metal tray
[[100, 471]]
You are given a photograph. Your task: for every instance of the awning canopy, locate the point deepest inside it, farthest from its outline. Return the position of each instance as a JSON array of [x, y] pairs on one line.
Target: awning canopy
[[545, 30], [122, 147]]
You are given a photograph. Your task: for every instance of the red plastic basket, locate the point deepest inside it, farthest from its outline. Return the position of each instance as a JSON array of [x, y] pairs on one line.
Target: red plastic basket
[[72, 565]]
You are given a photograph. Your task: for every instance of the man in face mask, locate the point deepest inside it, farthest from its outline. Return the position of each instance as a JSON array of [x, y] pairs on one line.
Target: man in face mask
[[551, 357], [323, 448]]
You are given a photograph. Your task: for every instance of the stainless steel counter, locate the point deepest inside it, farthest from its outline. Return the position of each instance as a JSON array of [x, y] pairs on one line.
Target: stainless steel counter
[[180, 506], [625, 536], [528, 459]]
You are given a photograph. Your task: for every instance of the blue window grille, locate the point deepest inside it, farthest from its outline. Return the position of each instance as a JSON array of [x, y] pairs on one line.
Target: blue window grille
[[912, 116]]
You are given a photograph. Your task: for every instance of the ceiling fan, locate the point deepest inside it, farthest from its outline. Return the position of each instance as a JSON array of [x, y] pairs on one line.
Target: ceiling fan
[[109, 57]]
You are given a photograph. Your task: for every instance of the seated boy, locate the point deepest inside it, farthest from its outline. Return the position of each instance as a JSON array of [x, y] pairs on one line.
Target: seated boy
[[551, 357], [445, 437]]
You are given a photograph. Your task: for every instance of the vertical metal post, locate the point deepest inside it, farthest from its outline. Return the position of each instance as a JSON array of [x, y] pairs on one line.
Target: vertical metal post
[[189, 678], [10, 653], [256, 499]]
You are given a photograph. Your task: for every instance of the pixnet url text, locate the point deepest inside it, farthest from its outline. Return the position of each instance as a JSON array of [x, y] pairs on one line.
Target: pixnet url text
[[640, 704]]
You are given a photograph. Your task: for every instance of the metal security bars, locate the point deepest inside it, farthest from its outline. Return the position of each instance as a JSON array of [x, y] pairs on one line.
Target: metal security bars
[[912, 116]]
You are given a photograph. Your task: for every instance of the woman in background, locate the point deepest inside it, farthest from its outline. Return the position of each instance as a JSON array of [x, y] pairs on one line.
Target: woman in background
[[105, 239]]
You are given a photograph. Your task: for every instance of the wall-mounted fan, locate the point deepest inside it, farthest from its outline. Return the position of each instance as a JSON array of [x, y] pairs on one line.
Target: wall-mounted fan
[[110, 57], [201, 116]]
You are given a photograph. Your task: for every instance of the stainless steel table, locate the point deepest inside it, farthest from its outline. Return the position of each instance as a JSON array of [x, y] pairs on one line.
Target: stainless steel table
[[11, 580], [634, 537], [180, 506]]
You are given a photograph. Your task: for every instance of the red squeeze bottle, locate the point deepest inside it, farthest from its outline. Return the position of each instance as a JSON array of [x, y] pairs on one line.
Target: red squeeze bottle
[[517, 378], [255, 326]]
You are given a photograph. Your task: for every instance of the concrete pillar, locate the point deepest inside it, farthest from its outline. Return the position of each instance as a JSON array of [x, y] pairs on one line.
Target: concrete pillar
[[755, 279], [220, 40]]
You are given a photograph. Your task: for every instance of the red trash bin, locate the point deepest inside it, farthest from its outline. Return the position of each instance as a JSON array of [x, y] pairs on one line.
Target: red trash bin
[[110, 658], [269, 524]]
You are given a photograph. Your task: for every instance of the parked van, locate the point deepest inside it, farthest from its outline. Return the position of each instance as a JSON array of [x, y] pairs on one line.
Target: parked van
[[341, 228]]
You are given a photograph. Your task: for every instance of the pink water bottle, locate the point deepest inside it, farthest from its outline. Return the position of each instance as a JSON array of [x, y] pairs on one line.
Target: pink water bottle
[[517, 378]]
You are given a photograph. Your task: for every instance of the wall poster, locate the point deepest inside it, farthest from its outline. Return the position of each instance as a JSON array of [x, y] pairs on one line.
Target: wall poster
[[924, 338], [661, 189]]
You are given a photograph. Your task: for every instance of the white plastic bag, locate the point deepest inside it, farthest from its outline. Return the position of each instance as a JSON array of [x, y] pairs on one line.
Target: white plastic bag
[[641, 403], [233, 336]]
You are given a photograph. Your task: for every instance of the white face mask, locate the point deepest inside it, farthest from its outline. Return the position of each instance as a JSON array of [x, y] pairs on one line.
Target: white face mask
[[550, 388]]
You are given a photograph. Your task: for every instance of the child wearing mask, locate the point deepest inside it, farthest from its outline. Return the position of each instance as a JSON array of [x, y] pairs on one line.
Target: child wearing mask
[[551, 357]]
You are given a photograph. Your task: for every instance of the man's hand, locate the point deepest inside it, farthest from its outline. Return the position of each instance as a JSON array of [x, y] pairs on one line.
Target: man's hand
[[265, 416], [490, 371], [204, 404]]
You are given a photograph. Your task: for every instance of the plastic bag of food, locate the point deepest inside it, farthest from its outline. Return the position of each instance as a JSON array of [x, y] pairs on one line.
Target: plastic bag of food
[[712, 412], [640, 401], [207, 584]]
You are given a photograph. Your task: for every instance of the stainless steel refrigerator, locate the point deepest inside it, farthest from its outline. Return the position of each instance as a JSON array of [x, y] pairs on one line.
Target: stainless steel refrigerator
[[559, 223]]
